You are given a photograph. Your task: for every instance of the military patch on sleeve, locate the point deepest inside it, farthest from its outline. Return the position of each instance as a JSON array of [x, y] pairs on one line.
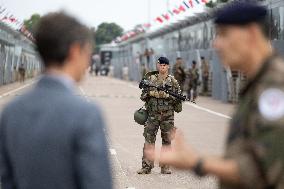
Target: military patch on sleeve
[[271, 104]]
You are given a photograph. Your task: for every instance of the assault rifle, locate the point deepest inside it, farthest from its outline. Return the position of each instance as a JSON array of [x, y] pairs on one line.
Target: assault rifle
[[144, 84]]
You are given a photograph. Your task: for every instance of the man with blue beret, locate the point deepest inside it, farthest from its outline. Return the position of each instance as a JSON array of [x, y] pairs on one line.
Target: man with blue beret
[[254, 153]]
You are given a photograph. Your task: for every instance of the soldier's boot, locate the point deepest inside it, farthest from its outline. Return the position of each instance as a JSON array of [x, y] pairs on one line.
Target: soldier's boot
[[165, 169], [144, 171], [147, 166]]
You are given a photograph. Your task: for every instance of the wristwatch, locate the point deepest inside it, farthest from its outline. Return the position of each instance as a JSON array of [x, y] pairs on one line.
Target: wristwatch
[[198, 168]]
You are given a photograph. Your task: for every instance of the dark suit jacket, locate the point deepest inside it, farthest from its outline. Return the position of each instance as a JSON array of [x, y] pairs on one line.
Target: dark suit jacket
[[52, 139]]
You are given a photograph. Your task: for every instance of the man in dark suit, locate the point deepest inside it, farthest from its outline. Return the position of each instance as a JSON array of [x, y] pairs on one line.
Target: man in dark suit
[[49, 137]]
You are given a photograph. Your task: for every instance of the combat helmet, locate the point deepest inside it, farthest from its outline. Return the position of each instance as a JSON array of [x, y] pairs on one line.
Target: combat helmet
[[141, 116]]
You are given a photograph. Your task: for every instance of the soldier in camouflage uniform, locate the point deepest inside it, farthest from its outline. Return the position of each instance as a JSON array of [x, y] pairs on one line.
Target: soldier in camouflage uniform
[[254, 154], [179, 73], [161, 108], [193, 79]]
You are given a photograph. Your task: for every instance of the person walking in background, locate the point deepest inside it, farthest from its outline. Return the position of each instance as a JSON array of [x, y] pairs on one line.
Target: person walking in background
[[205, 69], [179, 73], [22, 73], [193, 82]]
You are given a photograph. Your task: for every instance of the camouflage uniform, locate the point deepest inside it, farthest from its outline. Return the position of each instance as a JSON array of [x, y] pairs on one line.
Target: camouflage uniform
[[256, 137], [179, 75], [193, 77], [161, 108], [205, 75]]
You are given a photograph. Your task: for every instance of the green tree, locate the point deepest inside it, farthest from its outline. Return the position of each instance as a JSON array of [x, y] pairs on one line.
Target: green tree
[[107, 32], [31, 23]]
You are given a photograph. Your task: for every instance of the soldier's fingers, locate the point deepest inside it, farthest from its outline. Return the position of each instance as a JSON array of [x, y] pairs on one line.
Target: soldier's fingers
[[179, 141], [169, 157]]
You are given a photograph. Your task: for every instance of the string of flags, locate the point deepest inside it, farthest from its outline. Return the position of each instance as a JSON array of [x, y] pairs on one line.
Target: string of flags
[[9, 19], [185, 6]]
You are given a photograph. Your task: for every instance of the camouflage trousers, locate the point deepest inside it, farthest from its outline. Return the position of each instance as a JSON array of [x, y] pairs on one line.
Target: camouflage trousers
[[192, 86], [164, 121]]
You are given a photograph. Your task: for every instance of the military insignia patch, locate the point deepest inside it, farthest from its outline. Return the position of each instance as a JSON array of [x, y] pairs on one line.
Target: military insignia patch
[[271, 104]]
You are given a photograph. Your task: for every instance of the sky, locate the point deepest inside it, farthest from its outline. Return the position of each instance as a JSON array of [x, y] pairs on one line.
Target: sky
[[126, 13]]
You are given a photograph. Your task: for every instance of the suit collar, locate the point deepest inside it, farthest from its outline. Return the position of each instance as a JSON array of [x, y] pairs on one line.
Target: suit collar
[[59, 82]]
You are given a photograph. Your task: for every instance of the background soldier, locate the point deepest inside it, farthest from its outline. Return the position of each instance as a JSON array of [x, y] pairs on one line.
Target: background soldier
[[179, 73], [22, 72], [254, 157], [143, 70], [161, 108], [205, 75], [193, 79]]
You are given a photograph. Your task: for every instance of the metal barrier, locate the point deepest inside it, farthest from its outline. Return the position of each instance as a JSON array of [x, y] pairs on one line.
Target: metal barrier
[[16, 50]]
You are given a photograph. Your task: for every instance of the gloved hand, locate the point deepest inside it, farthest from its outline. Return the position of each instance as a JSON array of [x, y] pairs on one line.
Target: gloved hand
[[162, 94], [159, 94], [154, 94]]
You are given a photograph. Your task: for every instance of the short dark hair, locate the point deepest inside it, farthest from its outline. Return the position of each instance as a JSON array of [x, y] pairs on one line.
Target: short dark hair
[[179, 58], [194, 62], [55, 34]]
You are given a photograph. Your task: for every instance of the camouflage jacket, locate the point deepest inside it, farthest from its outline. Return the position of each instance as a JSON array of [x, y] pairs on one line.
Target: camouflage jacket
[[256, 136], [161, 103], [179, 73], [193, 74]]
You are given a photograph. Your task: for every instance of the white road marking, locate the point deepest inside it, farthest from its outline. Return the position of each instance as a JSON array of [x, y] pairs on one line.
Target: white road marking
[[112, 151], [15, 90], [207, 110], [195, 106]]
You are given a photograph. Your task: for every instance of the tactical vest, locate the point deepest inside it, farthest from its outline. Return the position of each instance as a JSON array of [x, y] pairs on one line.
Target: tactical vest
[[160, 104]]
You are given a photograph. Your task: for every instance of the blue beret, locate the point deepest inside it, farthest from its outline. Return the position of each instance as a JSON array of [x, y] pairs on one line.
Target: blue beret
[[163, 60], [240, 13]]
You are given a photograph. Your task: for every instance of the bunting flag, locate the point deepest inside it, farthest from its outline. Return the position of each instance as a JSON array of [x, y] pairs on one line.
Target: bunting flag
[[191, 3], [186, 4], [147, 25], [132, 34], [166, 16], [181, 8], [124, 37], [12, 19], [176, 11], [13, 22], [159, 19]]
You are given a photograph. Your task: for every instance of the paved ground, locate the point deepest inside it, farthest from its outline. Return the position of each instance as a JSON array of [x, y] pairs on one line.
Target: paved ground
[[204, 126]]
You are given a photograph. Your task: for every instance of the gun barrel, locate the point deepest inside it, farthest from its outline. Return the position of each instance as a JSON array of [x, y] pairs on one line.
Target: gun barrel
[[144, 84]]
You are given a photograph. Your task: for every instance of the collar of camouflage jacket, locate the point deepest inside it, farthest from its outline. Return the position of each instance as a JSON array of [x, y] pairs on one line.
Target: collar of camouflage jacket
[[261, 72]]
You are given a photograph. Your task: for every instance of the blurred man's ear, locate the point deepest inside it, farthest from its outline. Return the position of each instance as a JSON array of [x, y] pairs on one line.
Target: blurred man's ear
[[254, 32], [74, 51]]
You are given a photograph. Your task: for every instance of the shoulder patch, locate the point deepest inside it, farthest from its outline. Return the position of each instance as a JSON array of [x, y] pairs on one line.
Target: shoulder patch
[[271, 104]]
